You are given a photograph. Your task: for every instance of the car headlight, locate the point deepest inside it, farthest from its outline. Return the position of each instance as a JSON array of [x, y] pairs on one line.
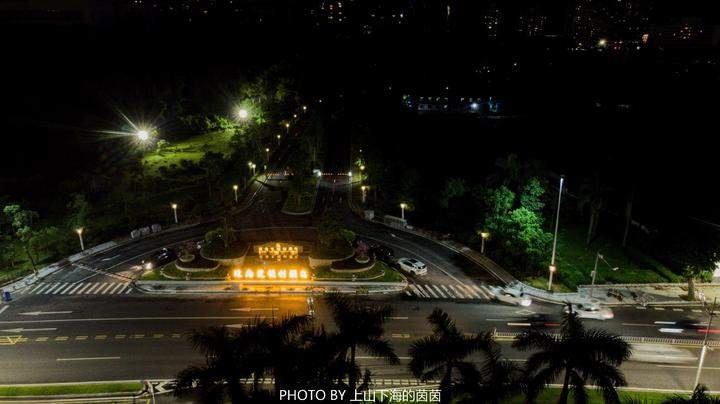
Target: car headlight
[[149, 265], [525, 302]]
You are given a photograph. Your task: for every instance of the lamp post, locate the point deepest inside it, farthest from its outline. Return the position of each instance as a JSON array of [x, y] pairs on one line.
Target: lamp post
[[79, 232], [553, 268], [235, 189], [174, 208], [364, 189], [287, 127], [711, 314], [483, 236], [267, 155], [278, 138], [402, 210], [593, 274]]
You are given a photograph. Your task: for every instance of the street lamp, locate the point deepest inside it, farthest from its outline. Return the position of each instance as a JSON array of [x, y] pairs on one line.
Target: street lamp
[[483, 236], [593, 274], [267, 154], [304, 108], [287, 127], [235, 189], [364, 189], [174, 208], [278, 138], [242, 113], [711, 314], [553, 268], [402, 210], [142, 135], [79, 232], [252, 166]]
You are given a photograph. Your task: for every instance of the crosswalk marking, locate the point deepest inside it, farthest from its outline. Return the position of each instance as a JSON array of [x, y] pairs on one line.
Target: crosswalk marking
[[81, 288], [449, 291], [440, 292], [429, 289]]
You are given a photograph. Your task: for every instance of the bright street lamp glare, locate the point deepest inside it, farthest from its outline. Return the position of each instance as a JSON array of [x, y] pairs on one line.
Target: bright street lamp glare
[[243, 113], [143, 135]]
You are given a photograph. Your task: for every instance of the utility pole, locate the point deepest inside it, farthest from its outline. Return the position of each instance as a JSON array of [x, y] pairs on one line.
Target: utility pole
[[705, 345]]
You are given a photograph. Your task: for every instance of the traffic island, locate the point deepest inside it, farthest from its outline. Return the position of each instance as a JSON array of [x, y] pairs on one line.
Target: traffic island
[[273, 267]]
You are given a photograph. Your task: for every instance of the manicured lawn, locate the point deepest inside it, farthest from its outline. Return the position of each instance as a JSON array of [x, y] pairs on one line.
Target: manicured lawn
[[217, 250], [49, 390], [220, 273], [192, 149], [380, 272], [576, 261], [305, 203]]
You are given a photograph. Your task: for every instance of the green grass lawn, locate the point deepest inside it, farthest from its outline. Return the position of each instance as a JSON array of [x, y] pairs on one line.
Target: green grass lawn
[[192, 149], [305, 203], [380, 272], [51, 390], [576, 260], [220, 273]]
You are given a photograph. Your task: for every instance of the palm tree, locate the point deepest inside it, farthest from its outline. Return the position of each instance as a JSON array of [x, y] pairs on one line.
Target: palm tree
[[360, 327], [444, 354], [496, 380], [220, 374], [578, 355], [699, 396]]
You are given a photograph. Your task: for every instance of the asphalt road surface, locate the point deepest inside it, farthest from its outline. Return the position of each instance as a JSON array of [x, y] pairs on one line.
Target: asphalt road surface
[[87, 322]]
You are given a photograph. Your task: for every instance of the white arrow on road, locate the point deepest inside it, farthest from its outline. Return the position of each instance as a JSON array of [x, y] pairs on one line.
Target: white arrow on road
[[254, 309], [28, 329], [37, 313]]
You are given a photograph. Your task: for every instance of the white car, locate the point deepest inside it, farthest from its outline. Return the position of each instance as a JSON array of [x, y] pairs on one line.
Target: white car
[[413, 266], [510, 296], [591, 311]]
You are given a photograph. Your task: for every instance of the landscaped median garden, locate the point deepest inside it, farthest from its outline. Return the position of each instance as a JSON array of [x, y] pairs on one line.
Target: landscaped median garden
[[301, 196], [229, 264]]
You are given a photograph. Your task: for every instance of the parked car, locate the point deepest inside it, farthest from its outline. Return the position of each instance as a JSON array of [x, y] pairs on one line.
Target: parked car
[[510, 296], [413, 266], [592, 311], [383, 253], [159, 258]]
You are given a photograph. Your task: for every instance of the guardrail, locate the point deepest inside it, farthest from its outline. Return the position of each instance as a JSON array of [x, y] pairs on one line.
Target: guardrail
[[509, 336]]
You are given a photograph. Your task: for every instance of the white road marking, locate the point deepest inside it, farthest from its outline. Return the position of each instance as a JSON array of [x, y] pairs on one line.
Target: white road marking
[[47, 292], [696, 311], [82, 290], [402, 336], [397, 318], [97, 358], [41, 285], [129, 289], [417, 291], [125, 285], [439, 291], [665, 322], [659, 308], [4, 308], [102, 286], [64, 286], [408, 293], [639, 325], [687, 367], [449, 293], [429, 290], [86, 320], [255, 309], [116, 287], [473, 293], [110, 258], [678, 309], [519, 324], [94, 285], [39, 312], [71, 291], [110, 286], [457, 292], [28, 329]]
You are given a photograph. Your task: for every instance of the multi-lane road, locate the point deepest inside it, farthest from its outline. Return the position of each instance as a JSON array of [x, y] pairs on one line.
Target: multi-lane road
[[87, 322]]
